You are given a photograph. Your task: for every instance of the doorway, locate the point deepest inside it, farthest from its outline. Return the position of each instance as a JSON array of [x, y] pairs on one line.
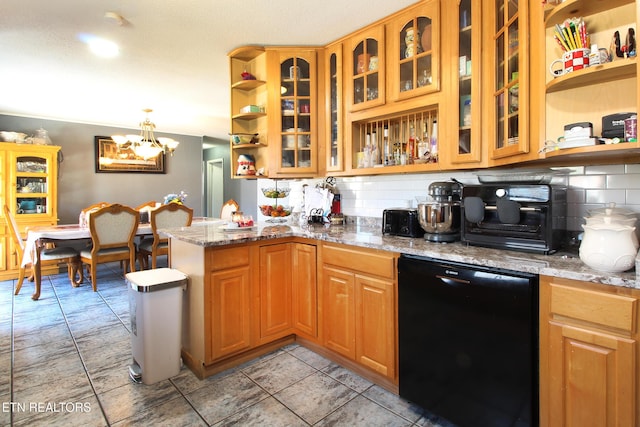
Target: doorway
[[215, 187]]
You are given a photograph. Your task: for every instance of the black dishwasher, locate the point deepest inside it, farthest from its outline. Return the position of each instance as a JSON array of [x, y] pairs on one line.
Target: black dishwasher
[[468, 341]]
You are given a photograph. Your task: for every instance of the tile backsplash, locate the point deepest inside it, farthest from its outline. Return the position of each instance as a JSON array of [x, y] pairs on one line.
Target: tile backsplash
[[589, 187]]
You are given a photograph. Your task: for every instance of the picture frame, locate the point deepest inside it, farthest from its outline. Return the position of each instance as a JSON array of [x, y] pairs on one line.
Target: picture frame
[[109, 158]]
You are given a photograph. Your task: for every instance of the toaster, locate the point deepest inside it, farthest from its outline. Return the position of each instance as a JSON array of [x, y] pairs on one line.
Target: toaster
[[401, 222]]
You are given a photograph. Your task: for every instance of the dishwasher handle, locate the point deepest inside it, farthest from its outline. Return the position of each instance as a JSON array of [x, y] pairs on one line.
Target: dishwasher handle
[[448, 280]]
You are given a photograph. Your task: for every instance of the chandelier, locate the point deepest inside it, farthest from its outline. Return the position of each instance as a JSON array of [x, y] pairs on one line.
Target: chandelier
[[145, 145]]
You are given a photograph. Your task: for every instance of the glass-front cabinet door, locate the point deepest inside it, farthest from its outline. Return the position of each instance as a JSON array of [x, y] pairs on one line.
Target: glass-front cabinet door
[[296, 113], [32, 173], [366, 69], [414, 58], [334, 128], [506, 39], [466, 64]]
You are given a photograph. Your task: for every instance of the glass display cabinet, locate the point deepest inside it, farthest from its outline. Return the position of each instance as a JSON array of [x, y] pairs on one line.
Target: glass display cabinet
[[334, 132], [367, 69], [415, 60]]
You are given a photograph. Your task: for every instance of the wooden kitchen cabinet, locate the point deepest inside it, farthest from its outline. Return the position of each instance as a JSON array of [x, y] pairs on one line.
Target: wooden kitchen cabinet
[[358, 306], [463, 56], [246, 92], [334, 106], [275, 291], [228, 303], [28, 179], [589, 94], [589, 354], [293, 107], [366, 69], [304, 290], [506, 80], [414, 51]]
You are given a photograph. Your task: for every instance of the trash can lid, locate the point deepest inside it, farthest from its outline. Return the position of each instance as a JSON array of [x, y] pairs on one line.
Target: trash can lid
[[156, 279]]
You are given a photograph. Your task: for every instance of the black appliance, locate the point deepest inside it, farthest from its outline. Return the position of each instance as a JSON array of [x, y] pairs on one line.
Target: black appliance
[[401, 222], [522, 217], [468, 342]]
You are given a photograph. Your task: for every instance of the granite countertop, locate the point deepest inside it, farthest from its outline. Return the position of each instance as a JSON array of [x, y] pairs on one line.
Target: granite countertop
[[213, 233]]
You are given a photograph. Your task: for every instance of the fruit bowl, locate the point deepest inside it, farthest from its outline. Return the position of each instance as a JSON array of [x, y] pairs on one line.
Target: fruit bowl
[[276, 193], [275, 211]]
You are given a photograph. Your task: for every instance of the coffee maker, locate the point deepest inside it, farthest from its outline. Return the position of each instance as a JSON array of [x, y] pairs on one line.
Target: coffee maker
[[440, 217]]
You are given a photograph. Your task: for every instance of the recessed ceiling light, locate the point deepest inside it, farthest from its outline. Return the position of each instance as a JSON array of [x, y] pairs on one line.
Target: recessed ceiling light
[[100, 46]]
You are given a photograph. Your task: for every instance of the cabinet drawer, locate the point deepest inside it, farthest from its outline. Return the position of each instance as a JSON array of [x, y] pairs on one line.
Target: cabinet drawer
[[220, 259], [371, 263], [609, 310]]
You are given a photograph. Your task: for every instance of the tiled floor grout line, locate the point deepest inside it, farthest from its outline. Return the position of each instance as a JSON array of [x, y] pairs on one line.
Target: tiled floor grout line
[[75, 344]]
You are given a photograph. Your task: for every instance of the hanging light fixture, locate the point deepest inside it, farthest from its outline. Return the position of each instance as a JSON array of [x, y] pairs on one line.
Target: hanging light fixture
[[145, 145]]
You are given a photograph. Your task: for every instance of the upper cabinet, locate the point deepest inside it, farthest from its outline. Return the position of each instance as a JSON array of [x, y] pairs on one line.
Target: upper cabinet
[[414, 41], [506, 82], [249, 127], [334, 127], [463, 57], [607, 86], [293, 112], [366, 66]]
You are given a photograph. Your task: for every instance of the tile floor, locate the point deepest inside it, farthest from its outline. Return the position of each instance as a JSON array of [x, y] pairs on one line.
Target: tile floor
[[64, 362]]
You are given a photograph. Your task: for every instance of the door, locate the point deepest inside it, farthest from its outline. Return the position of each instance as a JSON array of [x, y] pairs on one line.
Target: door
[[215, 187], [304, 290], [375, 320], [275, 290], [230, 312], [338, 311]]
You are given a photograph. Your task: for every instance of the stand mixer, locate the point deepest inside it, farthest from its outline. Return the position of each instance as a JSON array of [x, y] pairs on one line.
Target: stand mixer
[[440, 218]]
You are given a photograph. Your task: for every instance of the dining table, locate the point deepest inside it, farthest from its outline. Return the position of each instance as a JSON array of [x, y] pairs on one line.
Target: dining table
[[38, 237]]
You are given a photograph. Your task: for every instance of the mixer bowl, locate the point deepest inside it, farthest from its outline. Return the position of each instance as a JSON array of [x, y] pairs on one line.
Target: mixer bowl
[[439, 217]]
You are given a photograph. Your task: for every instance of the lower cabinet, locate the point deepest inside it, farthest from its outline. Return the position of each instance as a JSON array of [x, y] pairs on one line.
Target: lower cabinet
[[275, 291], [228, 303], [589, 354], [304, 290], [358, 306]]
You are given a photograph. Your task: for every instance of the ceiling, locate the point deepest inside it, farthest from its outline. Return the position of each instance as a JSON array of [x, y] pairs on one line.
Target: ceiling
[[173, 55]]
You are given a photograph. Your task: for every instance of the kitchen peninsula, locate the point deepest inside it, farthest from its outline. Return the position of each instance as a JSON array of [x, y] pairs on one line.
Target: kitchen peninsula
[[334, 290]]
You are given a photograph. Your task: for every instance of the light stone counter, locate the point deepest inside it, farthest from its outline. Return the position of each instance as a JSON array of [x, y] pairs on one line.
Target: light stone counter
[[569, 267]]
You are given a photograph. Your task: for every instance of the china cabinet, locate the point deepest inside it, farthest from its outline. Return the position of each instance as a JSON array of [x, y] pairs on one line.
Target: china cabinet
[[464, 31], [588, 94], [589, 355], [414, 54], [506, 82], [334, 134], [29, 188], [366, 69], [249, 124], [293, 112]]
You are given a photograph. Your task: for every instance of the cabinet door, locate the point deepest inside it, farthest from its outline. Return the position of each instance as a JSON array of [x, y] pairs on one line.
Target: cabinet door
[[366, 69], [591, 378], [304, 286], [338, 311], [507, 80], [230, 303], [465, 63], [334, 136], [294, 112], [414, 56], [375, 320], [275, 290], [33, 185]]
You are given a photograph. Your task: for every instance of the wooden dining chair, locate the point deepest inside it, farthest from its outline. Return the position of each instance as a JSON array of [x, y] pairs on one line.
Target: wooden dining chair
[[149, 204], [229, 207], [112, 229], [169, 215], [48, 256]]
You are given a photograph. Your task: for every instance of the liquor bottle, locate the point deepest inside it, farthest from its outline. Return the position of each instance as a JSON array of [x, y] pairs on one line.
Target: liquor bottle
[[434, 141]]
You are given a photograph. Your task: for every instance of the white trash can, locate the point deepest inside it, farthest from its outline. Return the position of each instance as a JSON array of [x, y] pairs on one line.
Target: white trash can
[[155, 307]]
